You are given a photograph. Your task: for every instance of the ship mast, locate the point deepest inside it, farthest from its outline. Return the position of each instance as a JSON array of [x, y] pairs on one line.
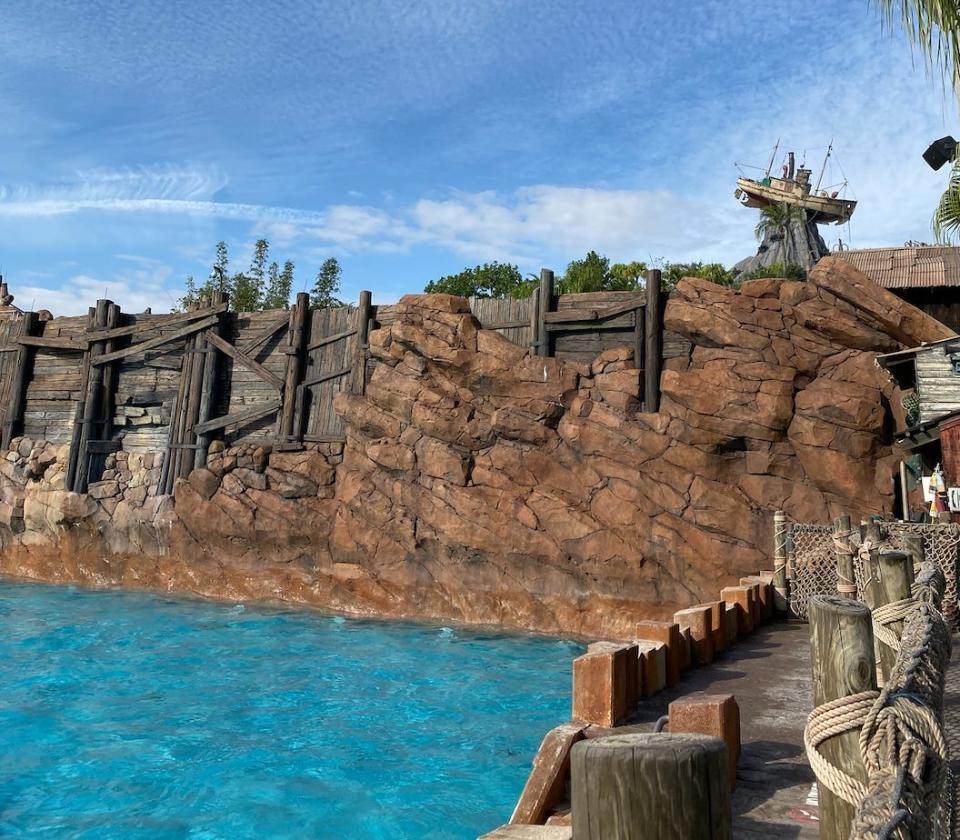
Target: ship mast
[[773, 157], [823, 168]]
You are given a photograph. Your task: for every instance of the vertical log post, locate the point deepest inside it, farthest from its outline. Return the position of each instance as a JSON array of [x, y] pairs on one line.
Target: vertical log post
[[890, 579], [13, 417], [546, 303], [363, 342], [92, 402], [168, 471], [780, 584], [846, 579], [653, 342], [639, 334], [841, 653], [650, 787], [535, 322], [208, 389], [913, 545], [194, 396], [296, 345]]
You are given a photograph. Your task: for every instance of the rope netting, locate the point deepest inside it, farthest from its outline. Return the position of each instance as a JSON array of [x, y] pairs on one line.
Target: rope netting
[[908, 790], [812, 562]]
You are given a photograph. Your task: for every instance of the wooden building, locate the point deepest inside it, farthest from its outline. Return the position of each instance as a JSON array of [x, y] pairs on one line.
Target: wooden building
[[929, 376], [928, 276]]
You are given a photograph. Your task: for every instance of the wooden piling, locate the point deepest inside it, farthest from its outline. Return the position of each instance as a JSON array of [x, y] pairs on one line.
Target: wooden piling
[[913, 545], [653, 336], [13, 411], [843, 662], [889, 579], [296, 346], [546, 303], [208, 390], [364, 309], [650, 787], [77, 474], [846, 579], [780, 583], [535, 322]]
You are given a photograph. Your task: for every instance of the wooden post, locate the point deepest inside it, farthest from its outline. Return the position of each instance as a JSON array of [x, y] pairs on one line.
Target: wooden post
[[92, 403], [780, 583], [650, 787], [889, 579], [535, 322], [296, 344], [197, 363], [208, 390], [841, 654], [913, 545], [846, 579], [13, 418], [546, 301], [652, 342], [363, 342], [639, 333]]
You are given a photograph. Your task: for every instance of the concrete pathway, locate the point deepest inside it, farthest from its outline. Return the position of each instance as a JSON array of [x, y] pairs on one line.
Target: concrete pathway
[[769, 674]]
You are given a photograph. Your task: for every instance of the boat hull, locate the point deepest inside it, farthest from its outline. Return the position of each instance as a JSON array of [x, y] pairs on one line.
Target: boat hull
[[824, 209]]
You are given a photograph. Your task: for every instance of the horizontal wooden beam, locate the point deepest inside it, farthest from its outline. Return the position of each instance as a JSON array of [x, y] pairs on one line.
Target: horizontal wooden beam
[[143, 346], [588, 326], [238, 418], [54, 342], [243, 359], [597, 314], [103, 446], [329, 339], [508, 325], [155, 323], [325, 377]]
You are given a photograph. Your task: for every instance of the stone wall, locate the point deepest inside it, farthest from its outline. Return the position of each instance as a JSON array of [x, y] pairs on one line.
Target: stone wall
[[481, 484]]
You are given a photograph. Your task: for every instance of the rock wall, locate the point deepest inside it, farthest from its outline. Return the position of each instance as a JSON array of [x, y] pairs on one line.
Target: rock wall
[[478, 483]]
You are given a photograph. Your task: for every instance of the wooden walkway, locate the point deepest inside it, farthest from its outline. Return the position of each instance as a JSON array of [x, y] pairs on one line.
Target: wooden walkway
[[769, 674]]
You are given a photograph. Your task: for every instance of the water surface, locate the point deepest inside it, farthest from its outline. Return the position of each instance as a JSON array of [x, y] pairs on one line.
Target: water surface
[[130, 715]]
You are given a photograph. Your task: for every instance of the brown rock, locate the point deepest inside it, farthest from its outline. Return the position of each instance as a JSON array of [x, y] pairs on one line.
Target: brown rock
[[204, 482]]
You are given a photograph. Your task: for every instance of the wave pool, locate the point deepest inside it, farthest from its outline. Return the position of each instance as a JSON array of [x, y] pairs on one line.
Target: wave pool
[[130, 715]]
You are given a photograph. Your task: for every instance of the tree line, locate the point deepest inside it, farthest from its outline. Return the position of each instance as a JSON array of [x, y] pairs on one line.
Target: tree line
[[263, 284], [595, 273]]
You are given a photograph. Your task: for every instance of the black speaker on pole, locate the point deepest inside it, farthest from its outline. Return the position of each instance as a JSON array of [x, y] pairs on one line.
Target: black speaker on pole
[[940, 152]]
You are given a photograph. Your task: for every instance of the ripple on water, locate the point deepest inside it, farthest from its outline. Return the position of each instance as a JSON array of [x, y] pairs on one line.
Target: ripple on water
[[126, 715]]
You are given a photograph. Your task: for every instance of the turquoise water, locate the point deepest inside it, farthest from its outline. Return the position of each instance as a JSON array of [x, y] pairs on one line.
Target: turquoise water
[[128, 715]]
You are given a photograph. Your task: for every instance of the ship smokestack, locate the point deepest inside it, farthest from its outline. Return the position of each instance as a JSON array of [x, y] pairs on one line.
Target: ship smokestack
[[790, 166]]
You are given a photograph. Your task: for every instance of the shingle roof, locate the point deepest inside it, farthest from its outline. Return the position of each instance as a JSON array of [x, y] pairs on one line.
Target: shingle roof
[[911, 267]]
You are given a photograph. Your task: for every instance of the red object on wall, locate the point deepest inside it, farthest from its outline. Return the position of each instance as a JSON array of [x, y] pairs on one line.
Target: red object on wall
[[950, 447]]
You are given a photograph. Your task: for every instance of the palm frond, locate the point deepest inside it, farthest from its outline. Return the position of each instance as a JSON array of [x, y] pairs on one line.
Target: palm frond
[[946, 218], [933, 27]]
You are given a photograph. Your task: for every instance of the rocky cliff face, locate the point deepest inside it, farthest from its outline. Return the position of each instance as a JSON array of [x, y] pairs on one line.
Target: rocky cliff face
[[799, 243], [479, 483]]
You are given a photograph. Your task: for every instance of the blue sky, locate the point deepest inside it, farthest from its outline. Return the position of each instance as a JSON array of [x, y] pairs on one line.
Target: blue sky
[[410, 139]]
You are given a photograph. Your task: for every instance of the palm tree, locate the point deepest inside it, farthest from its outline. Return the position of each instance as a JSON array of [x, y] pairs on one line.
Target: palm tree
[[933, 27], [776, 218]]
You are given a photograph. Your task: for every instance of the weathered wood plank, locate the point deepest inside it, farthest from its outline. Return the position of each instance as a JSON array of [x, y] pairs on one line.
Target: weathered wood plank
[[143, 346], [151, 322], [245, 360], [329, 339], [265, 334], [239, 418]]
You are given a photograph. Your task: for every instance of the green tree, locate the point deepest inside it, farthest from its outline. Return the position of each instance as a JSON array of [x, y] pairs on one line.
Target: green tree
[[490, 280], [788, 271], [625, 277], [673, 273], [245, 293], [587, 275], [327, 285], [776, 219], [279, 284], [221, 266]]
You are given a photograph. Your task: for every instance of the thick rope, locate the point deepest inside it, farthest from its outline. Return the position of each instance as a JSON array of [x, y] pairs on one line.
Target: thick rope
[[845, 714], [888, 614]]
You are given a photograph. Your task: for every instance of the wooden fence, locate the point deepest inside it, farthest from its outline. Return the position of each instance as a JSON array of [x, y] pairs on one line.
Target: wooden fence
[[111, 380]]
